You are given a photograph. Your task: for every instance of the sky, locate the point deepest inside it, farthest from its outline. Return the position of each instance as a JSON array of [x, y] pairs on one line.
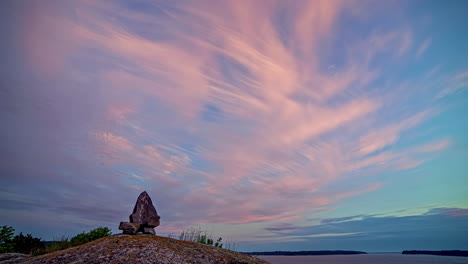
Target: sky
[[277, 125]]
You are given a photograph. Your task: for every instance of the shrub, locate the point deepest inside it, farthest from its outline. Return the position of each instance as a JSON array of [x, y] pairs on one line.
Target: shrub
[[218, 243], [27, 243], [31, 245], [94, 234], [64, 242], [19, 243]]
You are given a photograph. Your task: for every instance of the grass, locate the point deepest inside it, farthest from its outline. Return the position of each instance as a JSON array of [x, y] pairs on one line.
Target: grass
[[198, 235], [58, 244]]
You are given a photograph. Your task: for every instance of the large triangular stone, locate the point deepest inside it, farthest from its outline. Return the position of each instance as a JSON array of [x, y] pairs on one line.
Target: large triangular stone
[[144, 212]]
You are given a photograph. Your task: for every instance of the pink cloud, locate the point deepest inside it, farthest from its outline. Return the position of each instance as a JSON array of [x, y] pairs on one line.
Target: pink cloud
[[277, 152], [120, 111], [388, 135], [315, 20], [115, 142], [434, 146], [406, 164], [37, 40]]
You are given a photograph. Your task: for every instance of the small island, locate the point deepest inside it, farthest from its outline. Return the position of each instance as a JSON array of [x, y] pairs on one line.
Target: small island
[[454, 253], [306, 253]]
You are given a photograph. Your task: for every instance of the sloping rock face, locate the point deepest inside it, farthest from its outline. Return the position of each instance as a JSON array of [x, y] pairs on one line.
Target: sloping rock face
[[11, 258], [144, 212], [134, 249]]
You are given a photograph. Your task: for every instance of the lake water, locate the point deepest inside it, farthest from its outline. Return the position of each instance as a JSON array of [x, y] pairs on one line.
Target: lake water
[[366, 259]]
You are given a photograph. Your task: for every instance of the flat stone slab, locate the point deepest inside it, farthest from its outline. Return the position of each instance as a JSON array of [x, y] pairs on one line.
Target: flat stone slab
[[129, 228]]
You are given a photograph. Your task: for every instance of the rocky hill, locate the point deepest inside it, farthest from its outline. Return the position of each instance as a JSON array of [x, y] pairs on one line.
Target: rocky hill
[[141, 249]]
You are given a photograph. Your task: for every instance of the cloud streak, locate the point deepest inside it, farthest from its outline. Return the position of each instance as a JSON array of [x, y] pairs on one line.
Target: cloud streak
[[373, 232]]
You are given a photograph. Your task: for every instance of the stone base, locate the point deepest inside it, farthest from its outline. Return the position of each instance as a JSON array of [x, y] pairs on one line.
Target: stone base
[[129, 228], [134, 228], [149, 231]]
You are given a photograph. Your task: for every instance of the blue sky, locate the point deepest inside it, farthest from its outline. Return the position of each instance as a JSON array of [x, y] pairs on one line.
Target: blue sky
[[280, 125]]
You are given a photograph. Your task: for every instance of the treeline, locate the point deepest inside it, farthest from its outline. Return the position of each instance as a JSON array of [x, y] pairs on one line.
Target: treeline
[[19, 243], [455, 253], [27, 244], [306, 253]]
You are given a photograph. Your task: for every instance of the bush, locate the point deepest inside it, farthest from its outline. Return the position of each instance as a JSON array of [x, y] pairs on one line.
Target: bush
[[64, 242], [27, 243], [31, 245], [6, 237], [94, 234], [20, 243]]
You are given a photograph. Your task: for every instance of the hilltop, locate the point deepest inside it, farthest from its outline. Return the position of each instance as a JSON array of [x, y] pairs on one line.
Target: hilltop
[[142, 249]]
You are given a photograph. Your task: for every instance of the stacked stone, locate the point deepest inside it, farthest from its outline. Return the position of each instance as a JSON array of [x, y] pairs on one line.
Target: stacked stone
[[144, 217]]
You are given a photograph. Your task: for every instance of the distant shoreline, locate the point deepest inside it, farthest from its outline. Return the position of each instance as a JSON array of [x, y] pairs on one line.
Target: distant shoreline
[[305, 253], [453, 253]]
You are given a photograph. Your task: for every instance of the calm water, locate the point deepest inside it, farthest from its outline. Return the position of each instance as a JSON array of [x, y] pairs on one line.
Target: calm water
[[365, 259]]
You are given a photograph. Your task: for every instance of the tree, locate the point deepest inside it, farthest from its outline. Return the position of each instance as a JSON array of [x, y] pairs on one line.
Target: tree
[[6, 236], [26, 243]]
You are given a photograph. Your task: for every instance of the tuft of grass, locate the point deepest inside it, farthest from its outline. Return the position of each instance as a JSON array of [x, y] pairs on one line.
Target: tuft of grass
[[198, 235], [60, 243]]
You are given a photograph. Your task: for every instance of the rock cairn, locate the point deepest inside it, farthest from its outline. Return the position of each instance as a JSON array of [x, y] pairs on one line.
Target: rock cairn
[[144, 217]]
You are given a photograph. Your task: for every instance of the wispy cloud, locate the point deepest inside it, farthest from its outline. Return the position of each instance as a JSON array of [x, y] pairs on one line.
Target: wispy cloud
[[454, 84], [424, 46], [372, 232]]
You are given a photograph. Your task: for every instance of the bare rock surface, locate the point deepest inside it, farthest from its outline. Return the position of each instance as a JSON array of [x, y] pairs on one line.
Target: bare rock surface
[[144, 249], [10, 258]]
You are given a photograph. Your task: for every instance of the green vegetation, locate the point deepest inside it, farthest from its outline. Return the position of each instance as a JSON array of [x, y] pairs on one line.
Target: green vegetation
[[94, 234], [20, 243], [32, 245], [199, 236], [6, 236], [82, 238], [27, 244]]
